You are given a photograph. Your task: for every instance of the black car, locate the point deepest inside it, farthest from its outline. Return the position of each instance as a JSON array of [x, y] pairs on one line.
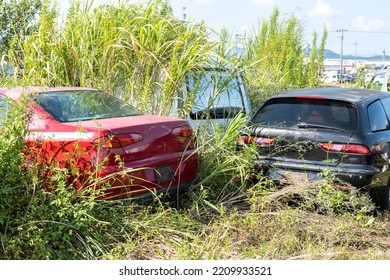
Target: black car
[[309, 132], [350, 78]]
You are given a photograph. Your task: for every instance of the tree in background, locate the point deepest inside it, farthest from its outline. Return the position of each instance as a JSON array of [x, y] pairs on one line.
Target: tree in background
[[18, 18]]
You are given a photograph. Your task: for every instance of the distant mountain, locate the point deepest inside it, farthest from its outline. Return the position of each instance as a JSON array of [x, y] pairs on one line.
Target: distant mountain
[[328, 54]]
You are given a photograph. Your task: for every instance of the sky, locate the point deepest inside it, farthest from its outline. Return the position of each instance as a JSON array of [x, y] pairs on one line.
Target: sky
[[366, 23]]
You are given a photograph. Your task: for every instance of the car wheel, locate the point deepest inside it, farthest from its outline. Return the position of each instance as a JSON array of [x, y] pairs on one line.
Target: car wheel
[[386, 197], [381, 196]]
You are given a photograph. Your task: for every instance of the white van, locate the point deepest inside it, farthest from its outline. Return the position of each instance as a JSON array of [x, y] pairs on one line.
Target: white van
[[208, 98], [218, 97], [331, 79], [380, 81]]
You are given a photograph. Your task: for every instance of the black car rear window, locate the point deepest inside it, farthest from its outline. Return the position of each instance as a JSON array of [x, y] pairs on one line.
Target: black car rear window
[[80, 105], [298, 112]]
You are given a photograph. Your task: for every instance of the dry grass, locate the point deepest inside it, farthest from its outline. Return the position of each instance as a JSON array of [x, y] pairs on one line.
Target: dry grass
[[264, 227]]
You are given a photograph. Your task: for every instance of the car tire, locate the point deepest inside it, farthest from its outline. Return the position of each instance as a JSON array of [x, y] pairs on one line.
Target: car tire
[[381, 196], [386, 197]]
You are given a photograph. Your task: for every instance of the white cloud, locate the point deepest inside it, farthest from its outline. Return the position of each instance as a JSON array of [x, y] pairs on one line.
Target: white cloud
[[364, 24], [204, 2], [322, 9], [268, 3]]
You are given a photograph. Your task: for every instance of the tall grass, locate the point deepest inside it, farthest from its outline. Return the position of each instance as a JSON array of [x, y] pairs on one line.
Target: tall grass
[[280, 57], [141, 51]]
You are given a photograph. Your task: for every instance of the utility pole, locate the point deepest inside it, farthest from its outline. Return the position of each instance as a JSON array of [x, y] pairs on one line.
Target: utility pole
[[384, 57], [237, 37], [307, 51], [355, 55], [184, 13], [341, 53]]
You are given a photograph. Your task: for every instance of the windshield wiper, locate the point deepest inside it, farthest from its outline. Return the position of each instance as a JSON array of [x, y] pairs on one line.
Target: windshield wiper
[[311, 125], [217, 113]]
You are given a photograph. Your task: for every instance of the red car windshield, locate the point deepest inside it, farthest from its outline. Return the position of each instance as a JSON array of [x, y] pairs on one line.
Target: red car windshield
[[80, 105]]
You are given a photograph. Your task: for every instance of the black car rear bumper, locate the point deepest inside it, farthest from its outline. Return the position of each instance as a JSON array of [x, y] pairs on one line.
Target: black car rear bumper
[[359, 177]]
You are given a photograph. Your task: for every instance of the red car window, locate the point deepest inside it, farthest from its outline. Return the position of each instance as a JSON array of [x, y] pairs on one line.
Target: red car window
[[80, 105]]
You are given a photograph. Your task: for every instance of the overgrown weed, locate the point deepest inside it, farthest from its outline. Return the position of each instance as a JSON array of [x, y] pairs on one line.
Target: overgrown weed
[[225, 215]]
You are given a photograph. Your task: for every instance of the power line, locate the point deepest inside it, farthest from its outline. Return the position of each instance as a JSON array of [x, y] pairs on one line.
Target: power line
[[341, 53], [373, 32], [358, 31], [375, 49]]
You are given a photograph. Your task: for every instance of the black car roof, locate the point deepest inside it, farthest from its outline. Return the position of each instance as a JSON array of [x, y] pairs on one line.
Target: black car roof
[[337, 93]]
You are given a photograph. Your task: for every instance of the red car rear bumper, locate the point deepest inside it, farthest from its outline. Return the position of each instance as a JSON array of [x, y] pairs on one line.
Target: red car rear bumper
[[167, 173]]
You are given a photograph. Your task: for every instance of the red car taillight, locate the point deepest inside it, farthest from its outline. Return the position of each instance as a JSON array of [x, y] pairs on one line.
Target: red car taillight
[[182, 131], [118, 140], [345, 148], [260, 141], [185, 133]]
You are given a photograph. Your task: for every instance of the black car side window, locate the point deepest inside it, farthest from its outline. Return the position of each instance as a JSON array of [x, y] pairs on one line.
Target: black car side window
[[386, 106], [377, 117]]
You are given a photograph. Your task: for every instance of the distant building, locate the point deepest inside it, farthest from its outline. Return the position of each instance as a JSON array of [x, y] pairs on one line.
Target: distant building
[[350, 65]]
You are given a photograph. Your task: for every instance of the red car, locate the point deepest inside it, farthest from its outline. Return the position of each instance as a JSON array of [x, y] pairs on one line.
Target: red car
[[105, 142]]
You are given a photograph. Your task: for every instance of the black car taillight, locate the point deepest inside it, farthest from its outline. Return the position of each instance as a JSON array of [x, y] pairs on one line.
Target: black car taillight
[[345, 148], [259, 141]]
